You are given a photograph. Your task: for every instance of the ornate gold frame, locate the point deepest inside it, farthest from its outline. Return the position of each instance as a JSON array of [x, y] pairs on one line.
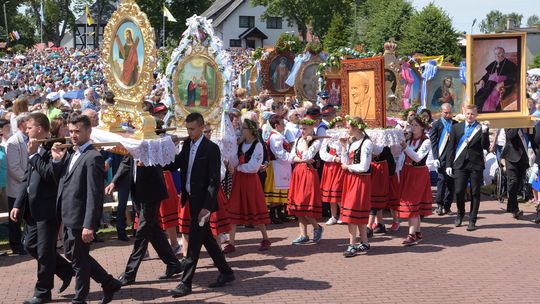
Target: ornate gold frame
[[455, 110], [298, 87], [253, 76], [266, 77], [210, 114], [129, 99]]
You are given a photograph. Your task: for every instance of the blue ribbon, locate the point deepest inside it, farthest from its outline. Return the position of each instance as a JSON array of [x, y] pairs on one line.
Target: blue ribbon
[[466, 134], [447, 127], [430, 69], [463, 75], [296, 68]]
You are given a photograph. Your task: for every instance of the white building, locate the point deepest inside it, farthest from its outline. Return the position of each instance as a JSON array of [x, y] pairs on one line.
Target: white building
[[239, 24]]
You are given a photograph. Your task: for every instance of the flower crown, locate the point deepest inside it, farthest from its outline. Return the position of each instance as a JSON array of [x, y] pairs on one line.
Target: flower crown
[[423, 120], [307, 122], [354, 123], [252, 126], [334, 121]]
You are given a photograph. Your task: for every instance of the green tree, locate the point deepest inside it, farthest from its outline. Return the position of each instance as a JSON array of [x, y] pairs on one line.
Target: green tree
[[58, 18], [337, 35], [515, 18], [493, 23], [536, 61], [321, 19], [182, 10], [533, 20], [296, 11], [24, 25], [430, 31]]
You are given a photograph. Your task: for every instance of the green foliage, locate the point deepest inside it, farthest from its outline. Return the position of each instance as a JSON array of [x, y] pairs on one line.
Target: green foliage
[[533, 20], [18, 48], [24, 25], [515, 17], [321, 18], [289, 42], [430, 31], [536, 61], [314, 47], [337, 36], [334, 59], [493, 23]]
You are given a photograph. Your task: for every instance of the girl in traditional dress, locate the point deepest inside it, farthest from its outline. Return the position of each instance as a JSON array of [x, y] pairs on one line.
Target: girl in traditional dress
[[332, 175], [168, 211], [278, 174], [356, 163], [381, 164], [415, 186], [246, 204], [304, 190]]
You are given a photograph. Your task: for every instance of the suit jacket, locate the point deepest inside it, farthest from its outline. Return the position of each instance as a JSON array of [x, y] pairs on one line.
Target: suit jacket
[[434, 136], [148, 187], [205, 175], [41, 178], [17, 157], [472, 156], [513, 150], [81, 190]]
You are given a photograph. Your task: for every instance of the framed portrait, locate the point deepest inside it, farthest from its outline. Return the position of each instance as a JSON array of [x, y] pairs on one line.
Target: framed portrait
[[496, 78], [197, 83], [332, 78], [446, 87], [306, 85], [362, 90], [129, 53], [275, 71]]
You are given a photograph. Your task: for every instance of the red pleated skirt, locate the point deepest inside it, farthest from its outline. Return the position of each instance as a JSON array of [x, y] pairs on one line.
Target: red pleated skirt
[[332, 183], [379, 184], [184, 218], [305, 192], [168, 210], [219, 220], [415, 192], [246, 205], [393, 192], [356, 198]]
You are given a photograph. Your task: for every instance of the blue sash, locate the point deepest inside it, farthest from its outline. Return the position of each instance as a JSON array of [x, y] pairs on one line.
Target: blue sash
[[466, 134], [447, 127]]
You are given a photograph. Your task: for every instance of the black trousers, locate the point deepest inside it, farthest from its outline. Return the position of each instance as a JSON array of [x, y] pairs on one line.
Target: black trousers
[[445, 190], [461, 178], [515, 174], [14, 229], [85, 267], [40, 243], [149, 230], [199, 236]]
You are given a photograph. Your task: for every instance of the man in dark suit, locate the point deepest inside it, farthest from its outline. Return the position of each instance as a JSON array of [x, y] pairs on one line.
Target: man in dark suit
[[465, 162], [517, 161], [37, 205], [80, 197], [147, 191], [200, 164], [439, 137]]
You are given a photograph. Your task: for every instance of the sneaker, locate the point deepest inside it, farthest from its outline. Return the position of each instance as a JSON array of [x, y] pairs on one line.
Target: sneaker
[[350, 252], [369, 232], [317, 234], [331, 221], [418, 237], [265, 245], [229, 249], [340, 222], [395, 226], [410, 240], [379, 229], [300, 240], [363, 247]]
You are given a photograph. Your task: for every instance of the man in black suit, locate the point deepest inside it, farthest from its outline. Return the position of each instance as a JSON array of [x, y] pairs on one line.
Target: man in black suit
[[439, 137], [517, 161], [465, 162], [147, 191], [80, 197], [200, 165], [37, 205]]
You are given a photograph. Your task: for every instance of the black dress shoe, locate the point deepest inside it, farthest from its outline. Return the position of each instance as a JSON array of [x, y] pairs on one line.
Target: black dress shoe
[[108, 292], [125, 280], [36, 300], [222, 280], [472, 226], [439, 211], [458, 221], [65, 284], [124, 238], [98, 240], [517, 214], [172, 270], [181, 290]]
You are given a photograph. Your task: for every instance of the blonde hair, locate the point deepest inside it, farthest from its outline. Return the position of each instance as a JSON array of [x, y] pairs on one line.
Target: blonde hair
[[20, 105]]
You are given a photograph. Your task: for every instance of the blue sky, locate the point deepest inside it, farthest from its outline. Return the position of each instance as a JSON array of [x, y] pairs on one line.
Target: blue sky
[[463, 12]]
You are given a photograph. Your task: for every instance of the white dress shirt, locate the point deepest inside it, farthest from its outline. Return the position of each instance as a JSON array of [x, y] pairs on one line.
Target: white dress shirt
[[192, 153], [77, 154]]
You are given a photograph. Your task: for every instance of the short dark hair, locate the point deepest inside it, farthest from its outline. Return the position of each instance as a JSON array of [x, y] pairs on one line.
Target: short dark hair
[[41, 120], [4, 122], [276, 104], [195, 117], [274, 120], [79, 118], [109, 98]]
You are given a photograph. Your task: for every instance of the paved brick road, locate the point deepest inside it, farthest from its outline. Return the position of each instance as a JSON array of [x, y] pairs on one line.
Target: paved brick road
[[498, 263]]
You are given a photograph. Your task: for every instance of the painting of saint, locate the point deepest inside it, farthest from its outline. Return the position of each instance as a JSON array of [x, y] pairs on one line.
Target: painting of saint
[[128, 54], [191, 92], [310, 82], [196, 84], [362, 94], [280, 68], [333, 86]]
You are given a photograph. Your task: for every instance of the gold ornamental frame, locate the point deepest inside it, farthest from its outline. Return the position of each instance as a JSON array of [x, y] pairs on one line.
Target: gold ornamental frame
[[200, 51], [298, 82], [129, 98], [253, 76]]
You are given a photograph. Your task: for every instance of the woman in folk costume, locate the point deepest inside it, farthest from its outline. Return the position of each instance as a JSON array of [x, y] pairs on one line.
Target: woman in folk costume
[[382, 164], [278, 174], [356, 163], [168, 211], [332, 175], [304, 190], [246, 204], [415, 186]]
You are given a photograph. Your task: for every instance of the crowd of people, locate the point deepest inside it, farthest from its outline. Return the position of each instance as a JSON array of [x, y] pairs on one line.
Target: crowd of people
[[294, 161]]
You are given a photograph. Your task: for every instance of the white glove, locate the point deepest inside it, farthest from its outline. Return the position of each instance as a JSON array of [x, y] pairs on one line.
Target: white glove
[[436, 163], [449, 172], [485, 126]]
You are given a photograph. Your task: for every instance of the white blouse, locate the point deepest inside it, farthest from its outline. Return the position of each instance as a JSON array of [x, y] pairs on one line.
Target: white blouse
[[307, 153], [255, 161], [276, 146], [365, 156], [330, 143], [424, 150]]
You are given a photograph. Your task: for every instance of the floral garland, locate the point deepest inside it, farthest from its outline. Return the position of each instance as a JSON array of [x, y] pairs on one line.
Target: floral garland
[[355, 124], [307, 122], [314, 48], [334, 59], [288, 42], [334, 121]]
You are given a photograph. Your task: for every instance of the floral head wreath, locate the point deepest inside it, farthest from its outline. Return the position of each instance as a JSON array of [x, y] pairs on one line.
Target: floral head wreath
[[307, 122], [354, 123], [252, 126], [334, 121], [423, 121]]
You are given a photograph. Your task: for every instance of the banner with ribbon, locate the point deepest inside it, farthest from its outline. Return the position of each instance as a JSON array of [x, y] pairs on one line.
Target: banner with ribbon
[[430, 70], [296, 67]]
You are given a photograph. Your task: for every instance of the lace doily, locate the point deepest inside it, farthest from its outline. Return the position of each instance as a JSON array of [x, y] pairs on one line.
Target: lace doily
[[379, 137]]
